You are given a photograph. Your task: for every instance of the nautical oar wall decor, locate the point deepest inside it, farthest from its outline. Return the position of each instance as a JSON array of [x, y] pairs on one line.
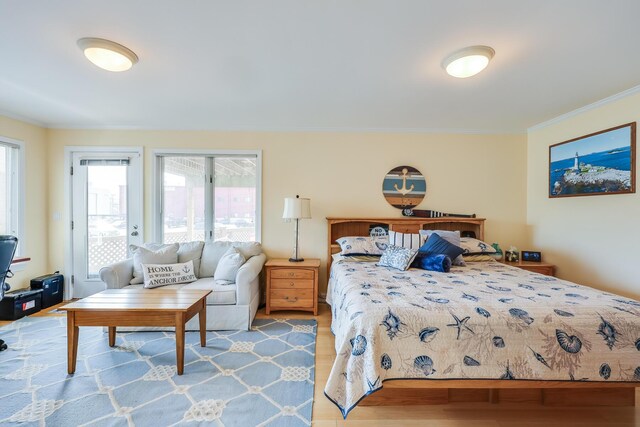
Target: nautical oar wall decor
[[419, 213]]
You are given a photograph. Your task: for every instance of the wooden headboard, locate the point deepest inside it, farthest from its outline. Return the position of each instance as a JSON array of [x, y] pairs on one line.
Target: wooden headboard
[[341, 227]]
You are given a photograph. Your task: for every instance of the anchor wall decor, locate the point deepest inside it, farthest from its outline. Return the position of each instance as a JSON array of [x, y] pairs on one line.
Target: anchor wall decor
[[404, 187]]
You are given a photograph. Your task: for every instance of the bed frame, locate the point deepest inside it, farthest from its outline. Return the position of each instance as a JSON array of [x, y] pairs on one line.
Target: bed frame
[[425, 392]]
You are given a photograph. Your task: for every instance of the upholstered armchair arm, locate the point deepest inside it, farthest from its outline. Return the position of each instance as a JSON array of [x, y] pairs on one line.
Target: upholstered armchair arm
[[117, 275], [248, 277]]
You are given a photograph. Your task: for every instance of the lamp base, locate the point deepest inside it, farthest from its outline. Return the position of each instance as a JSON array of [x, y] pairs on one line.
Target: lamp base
[[296, 259]]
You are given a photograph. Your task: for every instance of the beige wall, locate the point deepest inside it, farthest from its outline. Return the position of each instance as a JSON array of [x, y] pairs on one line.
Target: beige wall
[[342, 174], [500, 177], [36, 202], [594, 239]]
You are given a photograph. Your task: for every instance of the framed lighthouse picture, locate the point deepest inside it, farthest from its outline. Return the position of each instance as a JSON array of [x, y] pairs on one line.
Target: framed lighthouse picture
[[595, 164]]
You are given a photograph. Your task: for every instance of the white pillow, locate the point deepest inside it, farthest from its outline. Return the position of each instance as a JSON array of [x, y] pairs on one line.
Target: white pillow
[[406, 240], [156, 275], [362, 245], [473, 246], [189, 251], [213, 252], [228, 267], [167, 254]]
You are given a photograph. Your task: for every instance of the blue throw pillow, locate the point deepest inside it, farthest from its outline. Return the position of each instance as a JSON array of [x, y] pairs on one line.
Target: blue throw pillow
[[436, 245], [441, 263]]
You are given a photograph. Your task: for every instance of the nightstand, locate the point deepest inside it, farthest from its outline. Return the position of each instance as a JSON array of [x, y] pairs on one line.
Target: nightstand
[[537, 267], [292, 285]]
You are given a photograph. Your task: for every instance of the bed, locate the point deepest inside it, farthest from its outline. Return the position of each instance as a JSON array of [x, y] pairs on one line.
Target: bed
[[484, 332]]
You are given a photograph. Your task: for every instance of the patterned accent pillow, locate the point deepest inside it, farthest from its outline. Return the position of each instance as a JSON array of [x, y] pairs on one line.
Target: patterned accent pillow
[[452, 237], [473, 246], [362, 245], [156, 275], [406, 240], [397, 257]]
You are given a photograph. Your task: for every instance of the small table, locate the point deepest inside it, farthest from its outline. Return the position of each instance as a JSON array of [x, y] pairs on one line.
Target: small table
[[537, 267], [136, 307], [292, 285]]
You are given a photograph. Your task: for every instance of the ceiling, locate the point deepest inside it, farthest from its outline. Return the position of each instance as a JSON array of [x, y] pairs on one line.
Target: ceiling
[[336, 65]]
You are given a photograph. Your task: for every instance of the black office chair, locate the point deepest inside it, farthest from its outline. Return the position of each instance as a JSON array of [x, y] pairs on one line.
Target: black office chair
[[8, 245]]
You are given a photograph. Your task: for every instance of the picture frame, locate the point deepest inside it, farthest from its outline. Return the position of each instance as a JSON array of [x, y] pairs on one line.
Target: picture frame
[[595, 164]]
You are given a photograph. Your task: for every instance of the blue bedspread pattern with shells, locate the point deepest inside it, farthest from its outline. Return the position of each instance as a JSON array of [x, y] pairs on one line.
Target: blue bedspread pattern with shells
[[483, 321]]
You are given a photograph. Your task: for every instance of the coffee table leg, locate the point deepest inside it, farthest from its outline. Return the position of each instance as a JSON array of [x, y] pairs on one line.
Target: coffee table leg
[[112, 336], [72, 342], [202, 315], [180, 342]]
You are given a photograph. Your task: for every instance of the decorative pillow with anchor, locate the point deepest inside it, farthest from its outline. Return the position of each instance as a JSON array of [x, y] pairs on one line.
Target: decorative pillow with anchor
[[156, 275]]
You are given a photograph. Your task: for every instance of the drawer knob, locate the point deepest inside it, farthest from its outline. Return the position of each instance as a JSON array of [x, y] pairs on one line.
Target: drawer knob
[[291, 299], [291, 283], [291, 274]]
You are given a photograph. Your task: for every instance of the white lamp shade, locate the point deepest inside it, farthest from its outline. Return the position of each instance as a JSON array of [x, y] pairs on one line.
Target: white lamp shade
[[296, 208]]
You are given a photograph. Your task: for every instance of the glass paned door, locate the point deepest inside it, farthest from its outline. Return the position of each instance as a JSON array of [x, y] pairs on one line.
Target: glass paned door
[[107, 214]]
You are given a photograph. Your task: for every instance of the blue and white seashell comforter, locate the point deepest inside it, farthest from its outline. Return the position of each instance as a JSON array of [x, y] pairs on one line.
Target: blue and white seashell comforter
[[484, 321]]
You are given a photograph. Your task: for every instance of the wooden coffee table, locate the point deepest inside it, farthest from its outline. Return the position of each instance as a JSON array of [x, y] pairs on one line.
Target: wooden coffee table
[[136, 307]]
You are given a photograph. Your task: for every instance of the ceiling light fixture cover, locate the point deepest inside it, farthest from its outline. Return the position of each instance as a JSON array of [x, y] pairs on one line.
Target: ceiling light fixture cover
[[108, 55], [468, 62]]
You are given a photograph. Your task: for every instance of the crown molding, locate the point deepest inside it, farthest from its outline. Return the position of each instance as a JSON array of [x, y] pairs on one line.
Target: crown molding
[[588, 107], [236, 128]]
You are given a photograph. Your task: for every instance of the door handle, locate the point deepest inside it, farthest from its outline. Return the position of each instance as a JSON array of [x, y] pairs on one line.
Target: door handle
[[134, 233]]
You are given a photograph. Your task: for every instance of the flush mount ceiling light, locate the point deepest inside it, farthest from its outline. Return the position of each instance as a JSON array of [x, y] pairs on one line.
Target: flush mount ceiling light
[[468, 62], [108, 55]]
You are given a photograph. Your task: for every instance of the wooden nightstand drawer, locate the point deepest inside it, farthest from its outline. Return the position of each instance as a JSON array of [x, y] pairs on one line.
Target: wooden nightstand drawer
[[294, 298], [291, 273], [291, 283]]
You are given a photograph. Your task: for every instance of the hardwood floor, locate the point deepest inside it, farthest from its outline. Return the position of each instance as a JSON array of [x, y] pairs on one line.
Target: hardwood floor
[[325, 414]]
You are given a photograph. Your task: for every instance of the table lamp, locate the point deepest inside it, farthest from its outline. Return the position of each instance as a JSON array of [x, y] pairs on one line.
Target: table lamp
[[296, 209]]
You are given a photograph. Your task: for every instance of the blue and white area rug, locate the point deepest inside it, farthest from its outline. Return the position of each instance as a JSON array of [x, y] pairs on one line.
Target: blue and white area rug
[[262, 377]]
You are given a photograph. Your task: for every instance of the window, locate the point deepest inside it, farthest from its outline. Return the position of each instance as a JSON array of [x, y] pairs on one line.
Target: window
[[10, 193], [208, 196]]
